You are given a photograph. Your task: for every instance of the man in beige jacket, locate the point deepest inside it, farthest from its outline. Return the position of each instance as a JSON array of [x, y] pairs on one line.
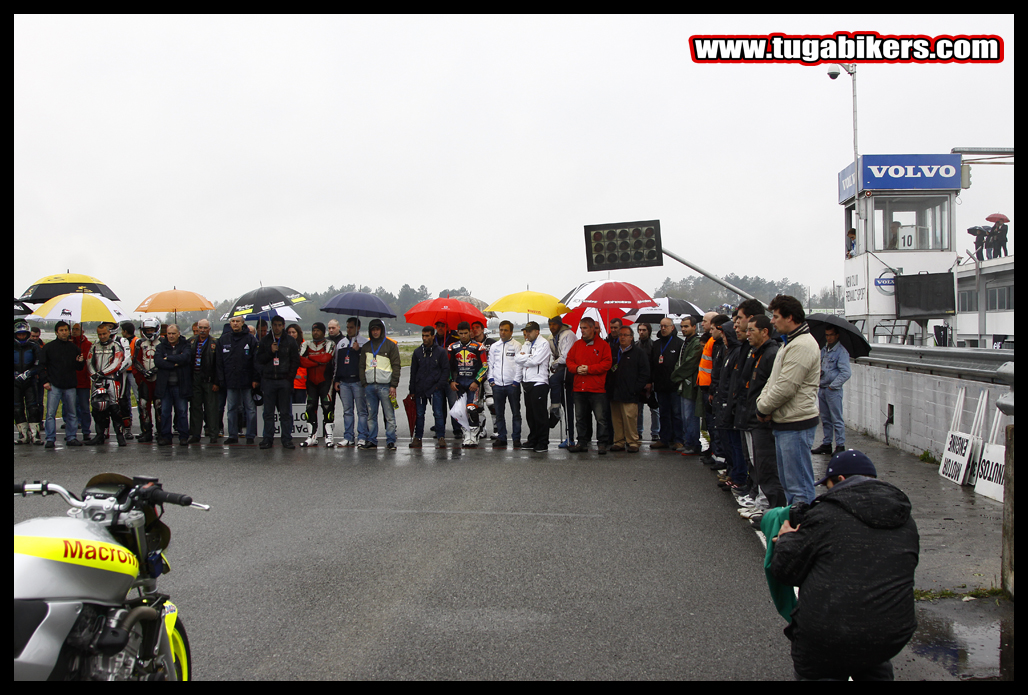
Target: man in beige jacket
[[789, 399]]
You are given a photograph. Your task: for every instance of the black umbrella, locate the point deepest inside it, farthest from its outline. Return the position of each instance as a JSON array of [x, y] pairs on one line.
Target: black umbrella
[[21, 308], [849, 336], [264, 300], [358, 304]]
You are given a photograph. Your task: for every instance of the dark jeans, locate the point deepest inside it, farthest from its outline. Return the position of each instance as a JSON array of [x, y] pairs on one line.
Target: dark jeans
[[278, 394], [438, 412], [738, 468], [174, 399], [671, 426], [765, 464], [535, 412], [203, 409], [503, 395], [588, 405]]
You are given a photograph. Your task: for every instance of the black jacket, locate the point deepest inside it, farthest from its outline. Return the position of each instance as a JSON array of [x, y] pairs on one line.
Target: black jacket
[[208, 356], [753, 376], [853, 558], [660, 372], [57, 363], [288, 357], [178, 357], [629, 373], [724, 396], [429, 372], [235, 363]]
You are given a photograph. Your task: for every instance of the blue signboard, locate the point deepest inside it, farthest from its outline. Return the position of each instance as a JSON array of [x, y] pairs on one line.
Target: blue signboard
[[902, 172]]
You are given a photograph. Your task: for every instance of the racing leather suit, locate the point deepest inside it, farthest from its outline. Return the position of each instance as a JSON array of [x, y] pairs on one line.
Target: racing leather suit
[[105, 370], [145, 371]]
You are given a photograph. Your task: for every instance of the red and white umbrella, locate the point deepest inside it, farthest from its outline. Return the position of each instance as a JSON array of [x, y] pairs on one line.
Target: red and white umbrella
[[608, 294]]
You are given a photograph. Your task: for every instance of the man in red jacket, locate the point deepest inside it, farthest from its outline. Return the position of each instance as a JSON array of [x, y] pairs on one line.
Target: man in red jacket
[[589, 360], [316, 355], [83, 384]]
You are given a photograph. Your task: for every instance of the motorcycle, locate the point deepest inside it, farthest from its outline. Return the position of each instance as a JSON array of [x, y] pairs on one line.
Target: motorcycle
[[86, 604]]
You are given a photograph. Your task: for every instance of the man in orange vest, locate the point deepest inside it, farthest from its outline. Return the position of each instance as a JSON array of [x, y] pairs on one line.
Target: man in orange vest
[[712, 321]]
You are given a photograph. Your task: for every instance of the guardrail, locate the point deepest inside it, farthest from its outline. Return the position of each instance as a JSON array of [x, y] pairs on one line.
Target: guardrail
[[975, 364]]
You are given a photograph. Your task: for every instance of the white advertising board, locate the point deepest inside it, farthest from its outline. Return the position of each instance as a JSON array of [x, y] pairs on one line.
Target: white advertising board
[[301, 428], [958, 456], [990, 471]]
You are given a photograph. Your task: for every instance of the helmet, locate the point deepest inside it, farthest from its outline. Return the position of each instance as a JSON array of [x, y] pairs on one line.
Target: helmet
[[99, 398], [22, 327], [150, 324]]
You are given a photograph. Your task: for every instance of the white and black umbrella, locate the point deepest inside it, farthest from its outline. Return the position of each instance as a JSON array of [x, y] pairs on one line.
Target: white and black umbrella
[[664, 307], [265, 302]]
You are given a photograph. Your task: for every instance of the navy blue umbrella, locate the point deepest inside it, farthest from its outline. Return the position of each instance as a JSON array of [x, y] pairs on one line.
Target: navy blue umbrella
[[358, 304]]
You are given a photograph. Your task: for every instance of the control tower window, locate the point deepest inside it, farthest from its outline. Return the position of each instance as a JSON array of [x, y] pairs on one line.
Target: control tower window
[[908, 223]]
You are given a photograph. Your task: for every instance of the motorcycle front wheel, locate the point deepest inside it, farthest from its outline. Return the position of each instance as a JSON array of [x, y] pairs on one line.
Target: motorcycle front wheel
[[180, 651]]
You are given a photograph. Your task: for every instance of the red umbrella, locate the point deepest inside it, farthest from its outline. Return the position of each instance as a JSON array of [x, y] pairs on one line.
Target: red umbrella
[[411, 408], [574, 317], [617, 295], [998, 217], [449, 311]]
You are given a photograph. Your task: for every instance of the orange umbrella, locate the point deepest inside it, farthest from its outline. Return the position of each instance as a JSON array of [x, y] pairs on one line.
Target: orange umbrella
[[175, 300]]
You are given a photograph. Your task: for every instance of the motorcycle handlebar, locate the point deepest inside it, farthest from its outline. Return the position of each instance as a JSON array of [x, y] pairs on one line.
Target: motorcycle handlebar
[[158, 496], [147, 493]]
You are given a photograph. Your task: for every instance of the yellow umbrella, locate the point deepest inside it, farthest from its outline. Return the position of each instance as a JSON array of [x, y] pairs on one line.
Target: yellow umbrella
[[45, 289], [80, 307], [528, 302], [174, 300]]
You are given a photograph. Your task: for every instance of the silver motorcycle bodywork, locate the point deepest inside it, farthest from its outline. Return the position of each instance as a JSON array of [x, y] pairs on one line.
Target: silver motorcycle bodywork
[[74, 616]]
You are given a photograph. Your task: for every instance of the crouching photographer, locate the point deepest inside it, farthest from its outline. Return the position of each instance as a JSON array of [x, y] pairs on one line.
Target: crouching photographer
[[852, 552]]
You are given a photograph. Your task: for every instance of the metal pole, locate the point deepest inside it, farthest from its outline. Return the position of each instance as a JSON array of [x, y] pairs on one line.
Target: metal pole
[[713, 277]]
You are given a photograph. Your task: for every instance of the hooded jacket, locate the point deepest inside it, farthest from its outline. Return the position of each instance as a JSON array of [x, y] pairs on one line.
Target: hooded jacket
[[755, 372], [727, 384], [853, 558], [429, 370], [380, 359]]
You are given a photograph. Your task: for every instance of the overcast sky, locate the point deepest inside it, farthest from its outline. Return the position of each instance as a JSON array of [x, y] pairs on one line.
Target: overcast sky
[[216, 153]]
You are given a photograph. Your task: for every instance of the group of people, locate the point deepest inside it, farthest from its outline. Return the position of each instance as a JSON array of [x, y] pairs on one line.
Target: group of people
[[757, 383], [989, 242]]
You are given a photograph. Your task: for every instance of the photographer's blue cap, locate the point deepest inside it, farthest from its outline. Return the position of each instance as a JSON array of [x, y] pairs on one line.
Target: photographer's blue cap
[[847, 463]]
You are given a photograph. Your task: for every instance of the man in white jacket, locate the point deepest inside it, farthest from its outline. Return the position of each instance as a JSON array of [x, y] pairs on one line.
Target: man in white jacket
[[504, 377], [533, 359]]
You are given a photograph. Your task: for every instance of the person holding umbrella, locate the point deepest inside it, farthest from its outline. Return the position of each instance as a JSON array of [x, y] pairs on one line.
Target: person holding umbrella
[[348, 384], [998, 235], [835, 371], [279, 357]]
